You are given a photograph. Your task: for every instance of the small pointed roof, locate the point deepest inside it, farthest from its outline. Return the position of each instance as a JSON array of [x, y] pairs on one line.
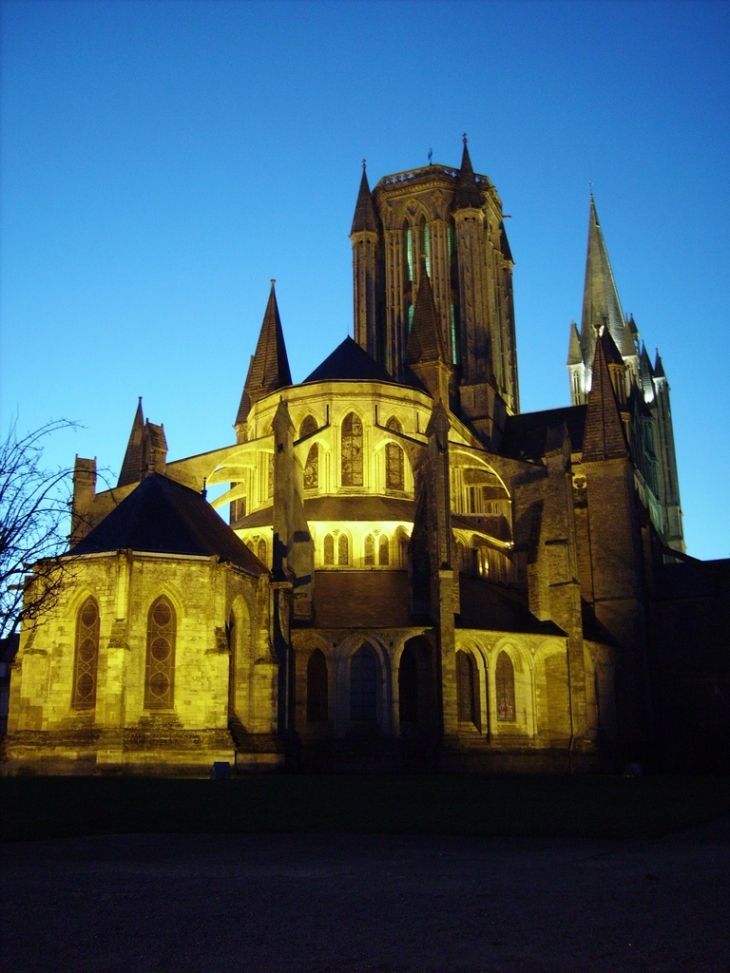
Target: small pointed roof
[[132, 463], [604, 436], [162, 516], [467, 192], [425, 341], [601, 303], [504, 244], [349, 362], [659, 367], [610, 349], [269, 368], [364, 218], [575, 356]]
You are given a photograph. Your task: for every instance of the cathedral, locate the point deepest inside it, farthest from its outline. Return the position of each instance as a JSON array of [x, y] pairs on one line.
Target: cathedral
[[415, 574]]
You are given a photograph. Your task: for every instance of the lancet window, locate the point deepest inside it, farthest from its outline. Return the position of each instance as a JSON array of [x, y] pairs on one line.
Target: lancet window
[[383, 550], [329, 549], [311, 468], [466, 688], [369, 550], [352, 460], [160, 669], [505, 685], [87, 656], [343, 549], [309, 425], [261, 550]]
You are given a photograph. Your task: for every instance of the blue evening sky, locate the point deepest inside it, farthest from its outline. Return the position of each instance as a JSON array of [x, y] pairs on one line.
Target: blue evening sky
[[162, 160]]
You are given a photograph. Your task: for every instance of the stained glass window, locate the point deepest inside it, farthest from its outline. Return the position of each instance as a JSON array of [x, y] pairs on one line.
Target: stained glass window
[[160, 671], [87, 656], [309, 424], [311, 469], [343, 550], [329, 549], [384, 550], [352, 469], [261, 551], [465, 688], [505, 682], [394, 460], [369, 550]]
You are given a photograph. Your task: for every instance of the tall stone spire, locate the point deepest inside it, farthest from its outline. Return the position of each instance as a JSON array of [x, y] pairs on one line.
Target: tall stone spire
[[467, 192], [364, 239], [132, 463], [601, 305], [269, 368]]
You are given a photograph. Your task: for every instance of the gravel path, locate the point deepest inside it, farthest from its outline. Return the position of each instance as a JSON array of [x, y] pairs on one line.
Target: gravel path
[[350, 904]]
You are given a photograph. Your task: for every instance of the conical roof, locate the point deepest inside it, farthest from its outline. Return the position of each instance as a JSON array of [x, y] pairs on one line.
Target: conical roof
[[425, 341], [364, 218], [349, 362], [467, 192], [164, 517], [132, 463], [269, 368], [604, 436], [601, 305]]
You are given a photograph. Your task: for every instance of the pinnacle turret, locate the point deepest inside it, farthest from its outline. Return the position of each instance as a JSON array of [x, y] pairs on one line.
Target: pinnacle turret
[[364, 218], [132, 463], [575, 356], [467, 192], [604, 432], [269, 368]]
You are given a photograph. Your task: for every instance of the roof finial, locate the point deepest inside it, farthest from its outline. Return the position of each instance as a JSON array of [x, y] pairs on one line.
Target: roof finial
[[430, 156], [590, 187], [464, 139], [273, 281], [364, 164]]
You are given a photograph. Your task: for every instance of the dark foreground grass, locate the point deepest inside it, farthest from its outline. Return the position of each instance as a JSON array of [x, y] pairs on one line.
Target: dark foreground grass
[[605, 807]]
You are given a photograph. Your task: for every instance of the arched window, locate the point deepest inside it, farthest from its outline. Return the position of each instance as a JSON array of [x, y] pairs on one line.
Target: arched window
[[383, 550], [87, 656], [329, 549], [352, 450], [261, 551], [369, 550], [271, 475], [343, 550], [393, 467], [231, 639], [408, 233], [249, 545], [311, 468], [317, 689], [466, 689], [363, 685], [160, 671], [426, 244], [309, 424], [408, 687], [505, 684]]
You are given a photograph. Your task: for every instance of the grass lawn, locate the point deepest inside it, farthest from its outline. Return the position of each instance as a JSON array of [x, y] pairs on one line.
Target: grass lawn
[[591, 806]]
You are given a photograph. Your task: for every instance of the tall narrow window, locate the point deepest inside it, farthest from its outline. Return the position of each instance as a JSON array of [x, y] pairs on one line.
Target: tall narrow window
[[465, 688], [160, 671], [261, 551], [408, 687], [409, 253], [363, 685], [352, 450], [454, 337], [271, 476], [232, 660], [426, 244], [309, 424], [409, 316], [311, 469], [329, 549], [343, 550], [369, 550], [87, 656], [394, 465], [383, 550], [317, 688], [505, 684]]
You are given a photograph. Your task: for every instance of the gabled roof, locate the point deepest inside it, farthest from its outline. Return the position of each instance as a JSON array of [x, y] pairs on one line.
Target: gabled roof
[[164, 517], [269, 369], [349, 362], [425, 341], [467, 192], [364, 218], [601, 305], [525, 434]]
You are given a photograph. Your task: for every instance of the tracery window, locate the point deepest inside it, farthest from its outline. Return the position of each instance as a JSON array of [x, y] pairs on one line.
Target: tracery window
[[352, 469], [394, 465], [311, 468], [309, 424], [465, 687], [363, 685], [343, 549], [505, 684], [329, 549], [160, 669], [383, 550], [317, 688], [369, 550], [87, 656]]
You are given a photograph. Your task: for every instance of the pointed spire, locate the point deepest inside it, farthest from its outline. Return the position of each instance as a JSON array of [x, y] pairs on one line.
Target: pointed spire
[[269, 368], [364, 218], [604, 436], [659, 367], [601, 303], [131, 471], [425, 341], [575, 356], [467, 192]]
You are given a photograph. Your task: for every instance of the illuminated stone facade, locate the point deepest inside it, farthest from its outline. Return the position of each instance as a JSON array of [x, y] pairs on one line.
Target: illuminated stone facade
[[415, 574]]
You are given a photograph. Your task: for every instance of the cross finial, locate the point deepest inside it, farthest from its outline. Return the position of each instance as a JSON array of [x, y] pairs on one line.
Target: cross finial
[[273, 281], [464, 138], [364, 164]]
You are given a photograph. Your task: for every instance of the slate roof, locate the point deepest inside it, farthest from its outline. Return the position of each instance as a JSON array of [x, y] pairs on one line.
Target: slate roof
[[349, 362], [364, 218], [164, 517], [525, 434]]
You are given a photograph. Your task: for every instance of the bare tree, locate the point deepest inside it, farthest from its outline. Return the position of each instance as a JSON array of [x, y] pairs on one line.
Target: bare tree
[[34, 510]]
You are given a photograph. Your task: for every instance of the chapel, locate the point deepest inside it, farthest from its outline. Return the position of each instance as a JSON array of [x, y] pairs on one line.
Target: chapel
[[414, 574]]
